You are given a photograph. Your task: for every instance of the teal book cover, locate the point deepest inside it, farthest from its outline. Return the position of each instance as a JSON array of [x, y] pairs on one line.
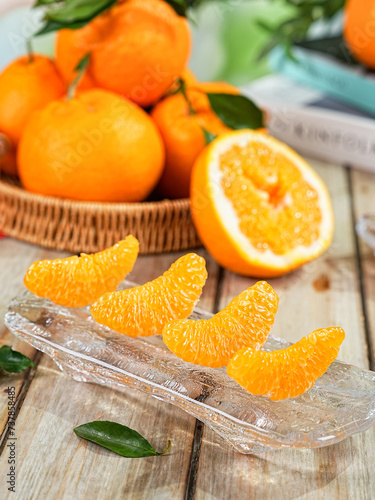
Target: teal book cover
[[351, 84]]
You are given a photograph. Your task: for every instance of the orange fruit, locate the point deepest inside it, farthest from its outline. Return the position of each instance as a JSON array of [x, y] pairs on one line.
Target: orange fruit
[[137, 49], [359, 22], [79, 281], [288, 372], [187, 76], [144, 310], [183, 135], [97, 146], [25, 85], [8, 155], [69, 51], [258, 207], [246, 321]]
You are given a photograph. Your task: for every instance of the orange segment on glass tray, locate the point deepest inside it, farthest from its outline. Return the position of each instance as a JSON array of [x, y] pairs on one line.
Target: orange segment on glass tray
[[259, 208], [144, 310], [79, 281], [246, 321], [288, 372]]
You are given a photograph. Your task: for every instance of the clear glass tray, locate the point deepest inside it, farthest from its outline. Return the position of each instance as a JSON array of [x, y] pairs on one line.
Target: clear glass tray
[[341, 403]]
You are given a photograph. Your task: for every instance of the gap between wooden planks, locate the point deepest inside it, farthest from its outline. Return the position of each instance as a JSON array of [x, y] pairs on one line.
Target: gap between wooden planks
[[363, 188]]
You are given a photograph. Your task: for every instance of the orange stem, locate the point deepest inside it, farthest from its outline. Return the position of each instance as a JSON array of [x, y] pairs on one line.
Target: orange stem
[[30, 50]]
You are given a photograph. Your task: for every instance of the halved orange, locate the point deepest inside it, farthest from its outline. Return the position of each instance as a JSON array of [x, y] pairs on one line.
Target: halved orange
[[288, 372], [79, 281], [144, 310], [259, 208], [246, 321]]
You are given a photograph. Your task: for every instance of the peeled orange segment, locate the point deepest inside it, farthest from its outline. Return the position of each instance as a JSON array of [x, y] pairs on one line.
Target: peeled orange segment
[[144, 310], [288, 372], [246, 321], [259, 208], [79, 281]]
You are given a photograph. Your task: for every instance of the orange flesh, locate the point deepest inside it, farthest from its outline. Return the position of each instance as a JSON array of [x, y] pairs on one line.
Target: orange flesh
[[288, 372], [144, 310], [277, 209], [79, 281], [246, 321]]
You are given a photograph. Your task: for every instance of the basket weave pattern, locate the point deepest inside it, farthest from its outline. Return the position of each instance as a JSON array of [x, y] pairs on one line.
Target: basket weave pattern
[[161, 226]]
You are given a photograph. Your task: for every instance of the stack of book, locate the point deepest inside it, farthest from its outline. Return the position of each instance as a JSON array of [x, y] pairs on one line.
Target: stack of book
[[320, 106]]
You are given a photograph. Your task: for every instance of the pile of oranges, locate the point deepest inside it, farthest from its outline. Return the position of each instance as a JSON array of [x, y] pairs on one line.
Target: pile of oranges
[[133, 119], [121, 133]]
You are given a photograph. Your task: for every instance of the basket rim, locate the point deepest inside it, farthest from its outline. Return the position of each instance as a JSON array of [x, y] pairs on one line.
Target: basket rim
[[16, 191]]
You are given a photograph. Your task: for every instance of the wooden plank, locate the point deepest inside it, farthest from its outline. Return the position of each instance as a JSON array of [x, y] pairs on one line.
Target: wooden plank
[[336, 472], [363, 185], [53, 463], [15, 258]]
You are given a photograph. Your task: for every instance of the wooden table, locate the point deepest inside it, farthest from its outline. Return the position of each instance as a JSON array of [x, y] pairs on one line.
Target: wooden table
[[53, 463]]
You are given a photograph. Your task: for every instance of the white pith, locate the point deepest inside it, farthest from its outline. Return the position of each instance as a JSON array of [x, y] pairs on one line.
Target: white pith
[[228, 216]]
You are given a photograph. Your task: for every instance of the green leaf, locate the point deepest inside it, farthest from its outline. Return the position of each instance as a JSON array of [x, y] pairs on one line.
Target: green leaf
[[236, 111], [271, 44], [118, 438], [180, 6], [74, 14], [13, 361], [71, 14], [41, 3], [72, 11], [333, 46], [51, 26], [296, 27], [208, 136], [264, 26]]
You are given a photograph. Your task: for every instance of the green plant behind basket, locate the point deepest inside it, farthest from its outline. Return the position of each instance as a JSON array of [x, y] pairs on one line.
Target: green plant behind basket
[[228, 38]]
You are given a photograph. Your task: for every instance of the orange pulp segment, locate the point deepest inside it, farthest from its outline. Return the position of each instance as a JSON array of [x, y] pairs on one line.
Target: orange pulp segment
[[246, 321], [288, 372], [144, 310], [79, 281]]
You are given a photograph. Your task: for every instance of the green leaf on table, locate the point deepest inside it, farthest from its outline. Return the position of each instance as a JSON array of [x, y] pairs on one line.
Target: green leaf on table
[[71, 14], [236, 111], [13, 361], [118, 438]]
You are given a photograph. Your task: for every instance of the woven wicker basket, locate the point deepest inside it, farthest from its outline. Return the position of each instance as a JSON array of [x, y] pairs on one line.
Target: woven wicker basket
[[161, 226]]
